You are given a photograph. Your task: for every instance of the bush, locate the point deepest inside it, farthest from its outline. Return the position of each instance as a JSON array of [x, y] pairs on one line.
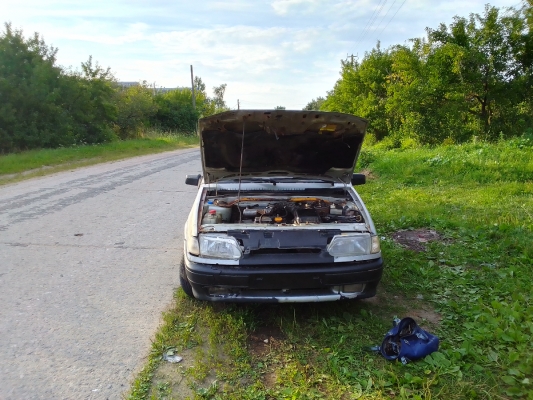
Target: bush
[[41, 105], [470, 78], [526, 140], [175, 111], [45, 106], [135, 107]]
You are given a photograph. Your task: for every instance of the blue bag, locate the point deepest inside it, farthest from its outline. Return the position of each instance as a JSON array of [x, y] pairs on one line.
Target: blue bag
[[406, 341]]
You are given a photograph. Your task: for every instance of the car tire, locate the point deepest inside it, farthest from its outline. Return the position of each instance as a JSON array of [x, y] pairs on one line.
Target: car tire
[[184, 282]]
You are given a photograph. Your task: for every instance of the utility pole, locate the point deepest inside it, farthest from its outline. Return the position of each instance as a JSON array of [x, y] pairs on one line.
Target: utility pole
[[238, 105], [192, 87]]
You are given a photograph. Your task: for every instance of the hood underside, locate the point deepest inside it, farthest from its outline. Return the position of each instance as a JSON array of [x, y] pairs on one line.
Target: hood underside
[[310, 144]]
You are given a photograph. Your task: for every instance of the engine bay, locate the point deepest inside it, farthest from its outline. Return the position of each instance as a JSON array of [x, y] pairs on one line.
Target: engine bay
[[279, 210]]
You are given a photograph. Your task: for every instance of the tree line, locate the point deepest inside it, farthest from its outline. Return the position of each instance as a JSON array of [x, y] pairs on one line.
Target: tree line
[[472, 78], [43, 105]]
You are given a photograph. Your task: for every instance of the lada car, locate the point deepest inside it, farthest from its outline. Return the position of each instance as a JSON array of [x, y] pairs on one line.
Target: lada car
[[276, 217]]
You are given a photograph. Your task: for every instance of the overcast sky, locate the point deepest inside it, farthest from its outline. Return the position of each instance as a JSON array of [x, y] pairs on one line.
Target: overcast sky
[[269, 52]]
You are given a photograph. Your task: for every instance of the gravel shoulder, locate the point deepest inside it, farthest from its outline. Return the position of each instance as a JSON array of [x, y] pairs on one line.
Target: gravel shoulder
[[88, 261]]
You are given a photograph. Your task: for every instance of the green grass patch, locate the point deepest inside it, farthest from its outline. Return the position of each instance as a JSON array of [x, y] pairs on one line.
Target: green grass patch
[[472, 288], [23, 165]]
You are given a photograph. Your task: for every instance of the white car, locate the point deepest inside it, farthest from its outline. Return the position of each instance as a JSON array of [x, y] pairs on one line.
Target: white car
[[276, 217]]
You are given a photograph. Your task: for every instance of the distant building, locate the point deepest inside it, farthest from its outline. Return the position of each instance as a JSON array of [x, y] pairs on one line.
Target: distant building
[[164, 89], [126, 85]]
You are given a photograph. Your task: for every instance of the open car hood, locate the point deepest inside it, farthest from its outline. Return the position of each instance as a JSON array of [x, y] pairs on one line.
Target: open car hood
[[311, 144]]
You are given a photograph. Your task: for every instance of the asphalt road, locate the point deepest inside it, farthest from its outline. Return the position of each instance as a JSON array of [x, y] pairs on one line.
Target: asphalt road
[[88, 261]]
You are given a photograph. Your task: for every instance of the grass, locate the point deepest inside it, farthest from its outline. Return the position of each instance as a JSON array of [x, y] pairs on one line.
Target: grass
[[475, 282], [27, 164]]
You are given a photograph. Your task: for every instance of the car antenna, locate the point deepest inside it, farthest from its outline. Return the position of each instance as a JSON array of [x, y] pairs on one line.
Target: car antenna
[[240, 173], [345, 186]]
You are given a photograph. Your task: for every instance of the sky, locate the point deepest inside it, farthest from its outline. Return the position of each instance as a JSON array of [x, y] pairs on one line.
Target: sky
[[269, 52]]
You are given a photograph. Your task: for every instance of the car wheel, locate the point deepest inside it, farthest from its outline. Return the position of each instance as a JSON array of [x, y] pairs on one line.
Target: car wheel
[[184, 282]]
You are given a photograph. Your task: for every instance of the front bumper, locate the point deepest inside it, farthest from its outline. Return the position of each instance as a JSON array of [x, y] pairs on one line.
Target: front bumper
[[283, 283]]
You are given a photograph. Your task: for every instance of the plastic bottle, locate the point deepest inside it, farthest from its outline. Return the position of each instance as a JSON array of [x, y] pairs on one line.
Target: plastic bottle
[[224, 212], [206, 206], [211, 217]]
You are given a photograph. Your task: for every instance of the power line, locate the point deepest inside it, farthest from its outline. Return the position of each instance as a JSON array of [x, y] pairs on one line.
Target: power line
[[368, 23], [380, 8], [385, 27], [512, 8], [385, 15]]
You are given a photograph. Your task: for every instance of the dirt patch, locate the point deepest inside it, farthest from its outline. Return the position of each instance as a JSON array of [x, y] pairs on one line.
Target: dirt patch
[[368, 173], [261, 343], [269, 379], [416, 239], [426, 316], [415, 308], [170, 378], [263, 339]]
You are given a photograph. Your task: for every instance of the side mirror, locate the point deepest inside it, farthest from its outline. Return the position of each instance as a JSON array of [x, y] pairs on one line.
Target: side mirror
[[358, 179], [193, 179]]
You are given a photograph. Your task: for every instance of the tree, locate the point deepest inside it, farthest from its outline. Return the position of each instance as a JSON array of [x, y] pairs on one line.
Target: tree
[[199, 85], [175, 111], [29, 93], [362, 91], [488, 53], [218, 98], [135, 106], [315, 104], [94, 103], [424, 100], [471, 78], [41, 105]]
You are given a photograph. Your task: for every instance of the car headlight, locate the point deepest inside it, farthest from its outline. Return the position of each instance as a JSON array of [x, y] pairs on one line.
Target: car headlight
[[217, 246], [350, 245]]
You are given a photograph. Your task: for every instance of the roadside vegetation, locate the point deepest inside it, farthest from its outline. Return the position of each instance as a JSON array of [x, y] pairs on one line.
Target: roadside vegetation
[[44, 105], [471, 78], [53, 118], [456, 224], [17, 166]]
